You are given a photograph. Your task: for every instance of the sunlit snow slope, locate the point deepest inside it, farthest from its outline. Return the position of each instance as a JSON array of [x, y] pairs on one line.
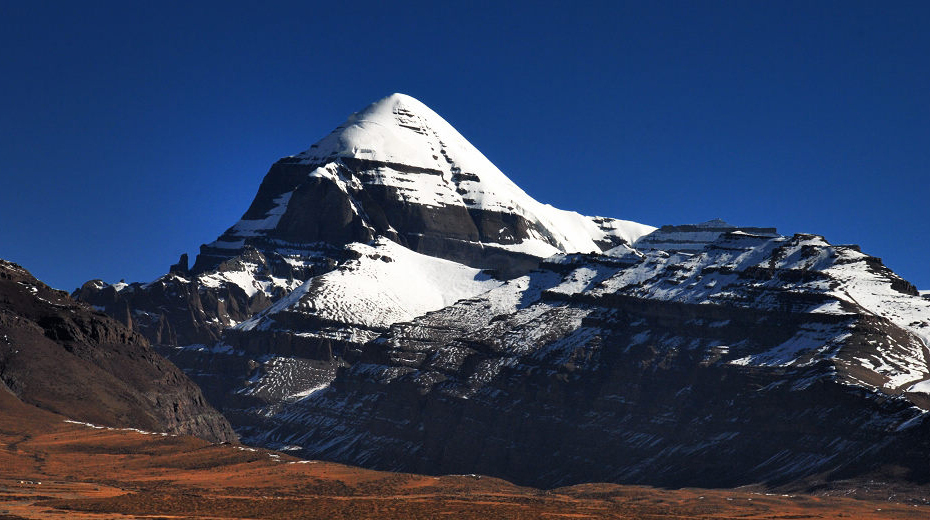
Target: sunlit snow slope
[[386, 284]]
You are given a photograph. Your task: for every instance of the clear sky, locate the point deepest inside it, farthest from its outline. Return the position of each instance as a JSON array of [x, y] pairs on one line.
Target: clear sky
[[129, 135]]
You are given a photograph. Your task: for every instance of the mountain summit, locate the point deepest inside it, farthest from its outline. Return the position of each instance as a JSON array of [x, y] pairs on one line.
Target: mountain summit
[[401, 130], [397, 169]]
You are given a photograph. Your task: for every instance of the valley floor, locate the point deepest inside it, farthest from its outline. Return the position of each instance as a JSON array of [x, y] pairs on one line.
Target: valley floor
[[50, 468]]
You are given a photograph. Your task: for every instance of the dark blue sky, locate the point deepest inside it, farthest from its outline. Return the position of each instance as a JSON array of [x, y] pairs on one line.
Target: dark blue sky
[[129, 135]]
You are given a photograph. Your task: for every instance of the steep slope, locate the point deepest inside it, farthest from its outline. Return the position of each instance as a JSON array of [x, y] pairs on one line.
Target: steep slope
[[64, 357]]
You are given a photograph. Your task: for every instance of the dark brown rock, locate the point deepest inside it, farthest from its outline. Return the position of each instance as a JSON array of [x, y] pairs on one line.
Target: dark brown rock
[[63, 356]]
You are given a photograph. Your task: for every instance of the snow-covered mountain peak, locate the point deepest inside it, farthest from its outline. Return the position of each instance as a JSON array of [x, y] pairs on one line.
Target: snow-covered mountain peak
[[392, 269], [398, 169], [400, 129], [388, 107]]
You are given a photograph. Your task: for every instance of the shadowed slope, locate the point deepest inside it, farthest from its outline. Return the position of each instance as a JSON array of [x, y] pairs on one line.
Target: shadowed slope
[[62, 356]]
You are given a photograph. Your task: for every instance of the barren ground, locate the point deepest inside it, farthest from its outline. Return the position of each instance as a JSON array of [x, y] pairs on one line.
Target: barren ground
[[53, 469]]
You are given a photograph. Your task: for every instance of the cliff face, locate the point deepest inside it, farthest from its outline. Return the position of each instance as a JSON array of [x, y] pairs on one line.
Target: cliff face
[[63, 356]]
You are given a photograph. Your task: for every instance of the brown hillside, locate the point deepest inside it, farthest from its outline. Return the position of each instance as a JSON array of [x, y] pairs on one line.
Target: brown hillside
[[65, 357]]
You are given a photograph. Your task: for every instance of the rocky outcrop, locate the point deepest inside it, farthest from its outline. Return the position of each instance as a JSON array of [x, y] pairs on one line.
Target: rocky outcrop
[[182, 308], [65, 357], [692, 238]]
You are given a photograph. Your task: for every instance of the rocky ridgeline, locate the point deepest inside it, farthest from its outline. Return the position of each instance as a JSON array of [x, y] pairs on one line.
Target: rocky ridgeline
[[189, 307]]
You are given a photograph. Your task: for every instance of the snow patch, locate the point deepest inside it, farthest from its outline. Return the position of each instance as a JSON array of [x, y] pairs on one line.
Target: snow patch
[[251, 228], [306, 393], [387, 284]]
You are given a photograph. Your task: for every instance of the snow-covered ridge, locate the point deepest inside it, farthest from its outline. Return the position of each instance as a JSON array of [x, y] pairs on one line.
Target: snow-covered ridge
[[828, 280], [693, 238], [250, 277], [834, 286]]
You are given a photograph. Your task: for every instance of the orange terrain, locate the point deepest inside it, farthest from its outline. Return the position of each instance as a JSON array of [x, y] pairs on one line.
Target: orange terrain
[[50, 468]]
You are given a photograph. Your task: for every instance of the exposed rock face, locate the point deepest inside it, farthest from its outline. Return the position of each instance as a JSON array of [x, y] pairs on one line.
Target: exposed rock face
[[392, 300], [62, 356], [182, 308]]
